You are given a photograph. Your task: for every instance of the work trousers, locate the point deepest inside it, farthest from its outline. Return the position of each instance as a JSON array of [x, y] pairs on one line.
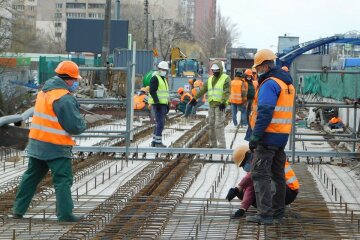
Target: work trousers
[[61, 172], [216, 125], [248, 109], [268, 165], [195, 108], [160, 111], [243, 117]]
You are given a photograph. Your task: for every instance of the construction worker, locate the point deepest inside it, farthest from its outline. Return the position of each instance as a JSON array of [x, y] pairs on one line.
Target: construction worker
[[197, 87], [255, 78], [56, 117], [159, 100], [141, 99], [217, 88], [238, 98], [185, 98], [335, 123], [251, 91], [242, 157], [269, 128], [285, 68]]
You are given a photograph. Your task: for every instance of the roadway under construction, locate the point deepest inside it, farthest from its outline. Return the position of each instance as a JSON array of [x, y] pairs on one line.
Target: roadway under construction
[[178, 192]]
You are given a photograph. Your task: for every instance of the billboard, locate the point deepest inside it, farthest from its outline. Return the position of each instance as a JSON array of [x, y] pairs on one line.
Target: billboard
[[86, 35]]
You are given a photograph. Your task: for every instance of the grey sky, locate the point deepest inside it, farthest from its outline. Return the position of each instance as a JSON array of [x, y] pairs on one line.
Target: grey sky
[[260, 22]]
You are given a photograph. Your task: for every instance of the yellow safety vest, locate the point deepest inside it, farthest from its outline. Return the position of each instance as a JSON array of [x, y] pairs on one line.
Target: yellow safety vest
[[216, 93], [162, 91]]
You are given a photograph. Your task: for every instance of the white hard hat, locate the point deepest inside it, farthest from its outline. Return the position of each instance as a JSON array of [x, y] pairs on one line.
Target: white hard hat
[[215, 67], [163, 65]]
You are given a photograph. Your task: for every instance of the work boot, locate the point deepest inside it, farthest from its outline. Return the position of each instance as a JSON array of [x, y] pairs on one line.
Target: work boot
[[260, 220], [159, 145], [17, 216], [72, 218]]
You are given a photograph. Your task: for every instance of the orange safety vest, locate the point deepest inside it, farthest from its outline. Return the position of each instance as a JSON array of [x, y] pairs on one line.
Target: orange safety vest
[[238, 87], [45, 126], [290, 177], [195, 90], [255, 83], [139, 102], [185, 94], [282, 116]]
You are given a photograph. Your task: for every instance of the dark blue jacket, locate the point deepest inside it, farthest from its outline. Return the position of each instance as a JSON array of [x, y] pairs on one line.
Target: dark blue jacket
[[267, 98]]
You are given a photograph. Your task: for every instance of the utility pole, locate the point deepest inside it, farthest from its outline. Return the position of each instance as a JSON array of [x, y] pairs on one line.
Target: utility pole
[[153, 33], [117, 9], [106, 42], [146, 12]]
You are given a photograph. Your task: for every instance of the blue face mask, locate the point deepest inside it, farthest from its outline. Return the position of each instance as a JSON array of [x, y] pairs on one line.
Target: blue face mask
[[247, 167], [74, 86]]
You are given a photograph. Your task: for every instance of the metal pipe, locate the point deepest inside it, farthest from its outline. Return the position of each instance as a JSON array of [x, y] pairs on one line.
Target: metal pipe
[[327, 140], [324, 134], [102, 68], [327, 71], [339, 105]]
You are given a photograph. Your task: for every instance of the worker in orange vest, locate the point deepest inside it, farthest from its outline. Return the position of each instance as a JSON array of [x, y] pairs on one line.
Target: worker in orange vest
[[196, 88], [269, 128], [242, 157], [335, 123], [185, 98], [251, 91], [238, 98], [140, 99], [255, 78], [56, 117]]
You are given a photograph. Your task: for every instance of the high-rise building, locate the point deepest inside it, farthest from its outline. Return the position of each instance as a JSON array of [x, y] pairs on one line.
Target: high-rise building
[[205, 13]]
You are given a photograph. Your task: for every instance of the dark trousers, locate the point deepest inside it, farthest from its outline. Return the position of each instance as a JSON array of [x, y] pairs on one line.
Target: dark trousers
[[269, 166], [248, 109], [61, 172], [160, 113]]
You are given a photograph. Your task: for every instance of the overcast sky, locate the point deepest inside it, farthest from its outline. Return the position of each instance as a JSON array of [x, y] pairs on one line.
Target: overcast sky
[[260, 22]]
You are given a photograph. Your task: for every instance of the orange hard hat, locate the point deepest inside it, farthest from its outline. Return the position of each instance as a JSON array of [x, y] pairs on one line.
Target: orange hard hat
[[239, 154], [68, 68], [180, 90], [285, 68], [248, 72], [191, 82], [147, 88], [263, 55], [143, 89]]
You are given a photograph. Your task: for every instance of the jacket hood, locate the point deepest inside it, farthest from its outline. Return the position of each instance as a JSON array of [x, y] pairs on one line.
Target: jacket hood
[[55, 83], [278, 73], [220, 66]]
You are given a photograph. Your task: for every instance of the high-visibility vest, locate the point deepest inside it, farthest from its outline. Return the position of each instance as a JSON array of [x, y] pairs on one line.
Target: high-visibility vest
[[216, 93], [238, 88], [256, 84], [162, 91], [290, 177], [185, 94], [195, 90], [45, 126], [281, 121], [139, 101]]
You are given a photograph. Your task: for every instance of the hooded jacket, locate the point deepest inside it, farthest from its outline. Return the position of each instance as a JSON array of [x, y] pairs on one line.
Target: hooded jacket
[[67, 111], [226, 92], [267, 98]]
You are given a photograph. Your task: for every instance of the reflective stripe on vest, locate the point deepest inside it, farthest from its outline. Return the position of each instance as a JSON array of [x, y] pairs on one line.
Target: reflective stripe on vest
[[281, 121], [139, 101], [238, 87], [290, 177], [45, 126], [162, 91], [186, 94], [216, 93]]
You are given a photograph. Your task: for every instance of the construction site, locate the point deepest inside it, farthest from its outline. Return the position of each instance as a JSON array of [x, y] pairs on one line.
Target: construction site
[[124, 188]]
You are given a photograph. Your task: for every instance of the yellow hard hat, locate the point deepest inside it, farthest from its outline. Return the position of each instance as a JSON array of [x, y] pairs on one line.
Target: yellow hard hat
[[239, 154], [263, 55], [143, 89], [147, 88]]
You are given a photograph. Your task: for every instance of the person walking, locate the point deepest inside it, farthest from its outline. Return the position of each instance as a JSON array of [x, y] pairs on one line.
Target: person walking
[[251, 91], [159, 100], [238, 98], [243, 157], [217, 88], [56, 117], [269, 128]]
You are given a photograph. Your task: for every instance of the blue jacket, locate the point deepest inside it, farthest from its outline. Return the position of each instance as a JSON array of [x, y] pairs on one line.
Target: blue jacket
[[267, 97]]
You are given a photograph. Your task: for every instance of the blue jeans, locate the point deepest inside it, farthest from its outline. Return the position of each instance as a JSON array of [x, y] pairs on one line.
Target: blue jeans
[[242, 108], [160, 111]]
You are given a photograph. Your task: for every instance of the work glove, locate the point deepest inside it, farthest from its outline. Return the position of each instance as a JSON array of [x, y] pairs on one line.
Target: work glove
[[222, 107], [233, 192], [193, 102], [253, 143], [239, 213]]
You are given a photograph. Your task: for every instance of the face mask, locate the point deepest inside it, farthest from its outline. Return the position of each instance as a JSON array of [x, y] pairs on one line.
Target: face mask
[[216, 74], [163, 73], [74, 86], [247, 167], [248, 78]]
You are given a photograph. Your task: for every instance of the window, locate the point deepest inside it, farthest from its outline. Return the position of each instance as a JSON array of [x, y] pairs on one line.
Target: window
[[19, 7], [58, 15], [32, 8], [96, 15], [58, 34], [75, 15], [57, 24], [59, 5], [76, 5], [96, 5]]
